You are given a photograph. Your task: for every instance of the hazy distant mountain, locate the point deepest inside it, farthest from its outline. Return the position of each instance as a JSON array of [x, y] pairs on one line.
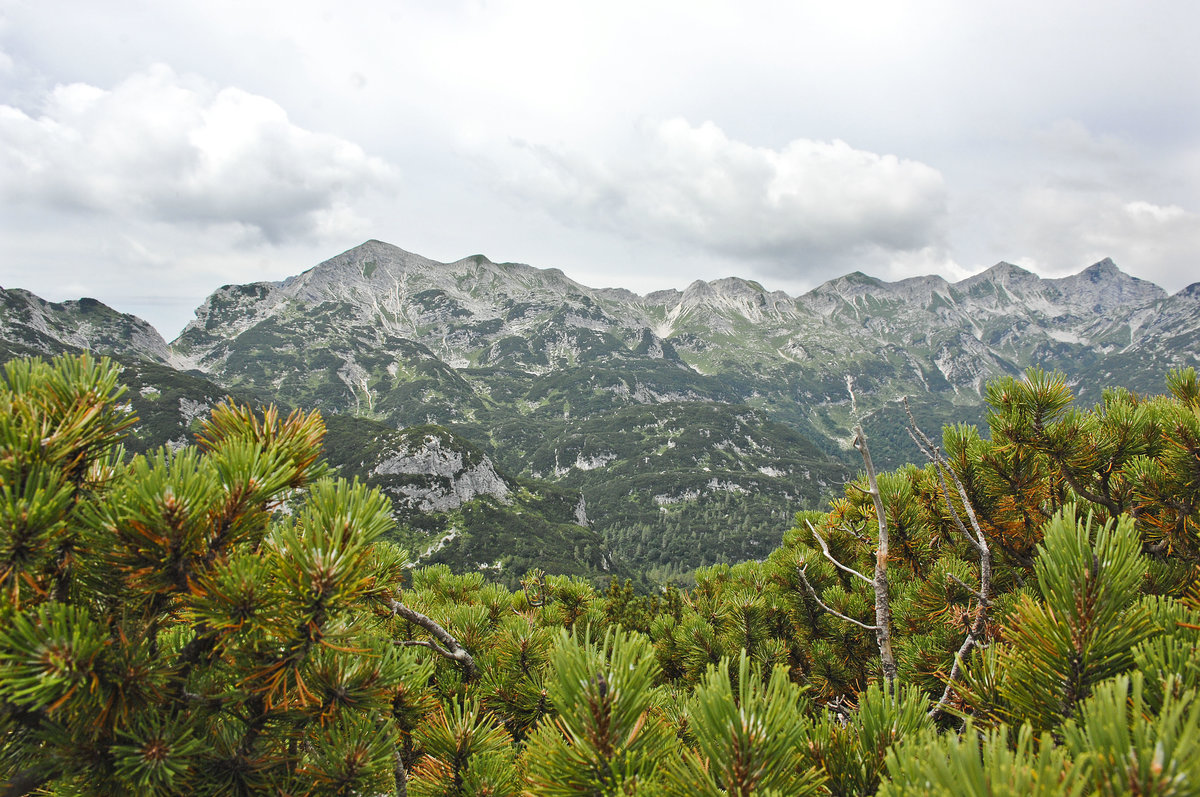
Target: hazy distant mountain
[[692, 424]]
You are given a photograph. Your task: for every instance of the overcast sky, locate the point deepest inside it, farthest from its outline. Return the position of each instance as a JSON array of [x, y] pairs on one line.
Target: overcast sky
[[153, 151]]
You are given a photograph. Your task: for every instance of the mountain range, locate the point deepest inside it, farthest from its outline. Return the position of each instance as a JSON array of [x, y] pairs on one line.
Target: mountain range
[[517, 417]]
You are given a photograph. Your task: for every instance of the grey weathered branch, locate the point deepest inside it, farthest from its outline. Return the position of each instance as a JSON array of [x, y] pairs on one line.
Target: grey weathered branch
[[934, 455], [979, 595], [400, 774], [830, 557], [883, 606], [813, 594], [853, 532], [975, 536], [450, 647]]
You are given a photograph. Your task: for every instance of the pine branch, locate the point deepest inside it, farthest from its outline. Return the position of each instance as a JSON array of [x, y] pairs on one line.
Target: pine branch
[[1112, 506], [198, 648], [27, 781], [534, 587]]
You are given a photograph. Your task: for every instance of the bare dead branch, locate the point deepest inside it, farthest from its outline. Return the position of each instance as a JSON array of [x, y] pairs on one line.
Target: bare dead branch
[[883, 606], [452, 650], [974, 535], [969, 509], [853, 533], [829, 556], [400, 774], [934, 455], [423, 643], [955, 672], [813, 594], [978, 595]]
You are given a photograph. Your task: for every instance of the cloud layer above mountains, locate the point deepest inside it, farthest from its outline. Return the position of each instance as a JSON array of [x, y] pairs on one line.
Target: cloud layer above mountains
[[151, 152], [180, 150], [809, 201]]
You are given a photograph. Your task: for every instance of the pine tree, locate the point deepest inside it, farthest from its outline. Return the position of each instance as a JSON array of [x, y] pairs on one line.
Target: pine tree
[[749, 737]]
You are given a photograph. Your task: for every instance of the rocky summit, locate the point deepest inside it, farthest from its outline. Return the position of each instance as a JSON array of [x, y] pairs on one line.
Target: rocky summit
[[664, 431]]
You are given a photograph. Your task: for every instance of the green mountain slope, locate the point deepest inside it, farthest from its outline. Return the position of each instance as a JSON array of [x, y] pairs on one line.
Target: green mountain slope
[[452, 507], [692, 423]]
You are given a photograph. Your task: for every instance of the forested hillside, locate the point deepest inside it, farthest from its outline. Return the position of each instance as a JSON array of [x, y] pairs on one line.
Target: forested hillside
[[655, 418], [441, 518], [1018, 616]]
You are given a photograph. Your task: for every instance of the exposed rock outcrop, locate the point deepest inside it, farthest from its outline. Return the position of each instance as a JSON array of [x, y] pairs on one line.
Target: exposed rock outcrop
[[445, 477]]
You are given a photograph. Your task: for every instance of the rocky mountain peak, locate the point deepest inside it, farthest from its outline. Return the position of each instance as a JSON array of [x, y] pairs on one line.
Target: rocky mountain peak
[[728, 287], [848, 286], [373, 262], [1003, 274], [1103, 288], [920, 290], [86, 324], [377, 298], [721, 302], [668, 297], [1103, 269]]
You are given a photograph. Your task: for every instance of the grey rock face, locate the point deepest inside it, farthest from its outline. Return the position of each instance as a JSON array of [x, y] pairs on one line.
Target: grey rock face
[[447, 482]]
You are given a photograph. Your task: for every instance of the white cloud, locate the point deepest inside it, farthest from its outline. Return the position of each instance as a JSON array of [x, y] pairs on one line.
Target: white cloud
[[803, 206], [1072, 228], [1080, 195], [177, 149], [1030, 112]]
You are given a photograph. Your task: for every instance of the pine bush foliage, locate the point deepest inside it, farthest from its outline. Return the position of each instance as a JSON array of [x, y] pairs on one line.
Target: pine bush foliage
[[226, 618], [165, 629], [604, 740], [981, 764], [1124, 748], [1084, 629], [750, 736]]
